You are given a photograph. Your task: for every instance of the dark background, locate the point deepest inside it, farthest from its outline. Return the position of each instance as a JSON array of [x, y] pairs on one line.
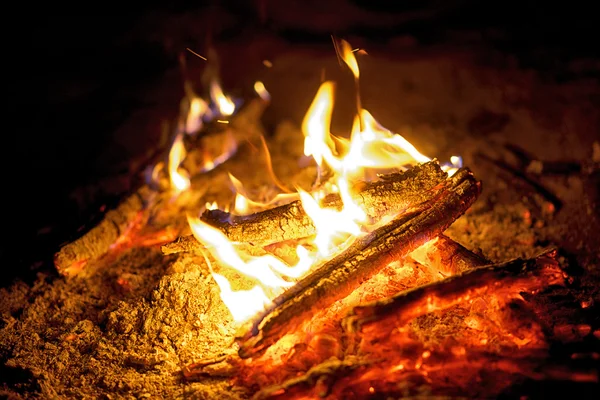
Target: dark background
[[73, 80]]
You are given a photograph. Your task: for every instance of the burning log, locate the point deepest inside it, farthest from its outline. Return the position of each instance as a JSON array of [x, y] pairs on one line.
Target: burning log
[[316, 377], [447, 256], [381, 318], [390, 195], [364, 378], [507, 278], [73, 257], [337, 278]]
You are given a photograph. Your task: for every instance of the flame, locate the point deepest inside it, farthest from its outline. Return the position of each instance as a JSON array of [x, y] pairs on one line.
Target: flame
[[315, 126], [371, 149], [198, 109], [225, 105], [244, 205], [333, 227], [261, 90], [270, 274], [180, 180], [347, 55]]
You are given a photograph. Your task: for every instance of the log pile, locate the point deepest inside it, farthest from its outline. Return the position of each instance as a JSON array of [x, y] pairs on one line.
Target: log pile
[[341, 275], [415, 232], [409, 212]]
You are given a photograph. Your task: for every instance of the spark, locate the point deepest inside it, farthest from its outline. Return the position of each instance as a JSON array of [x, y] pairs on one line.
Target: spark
[[196, 54]]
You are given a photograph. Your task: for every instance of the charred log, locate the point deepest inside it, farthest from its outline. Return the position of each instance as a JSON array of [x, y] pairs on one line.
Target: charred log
[[337, 278], [392, 194], [502, 279]]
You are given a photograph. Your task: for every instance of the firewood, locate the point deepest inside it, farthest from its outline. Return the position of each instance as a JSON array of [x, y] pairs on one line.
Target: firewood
[[391, 194], [500, 279], [72, 258], [447, 256], [341, 275]]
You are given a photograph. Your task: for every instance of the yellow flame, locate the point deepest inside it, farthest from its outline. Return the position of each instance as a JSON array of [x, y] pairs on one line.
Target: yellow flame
[[211, 205], [315, 126], [180, 180], [268, 271], [376, 147], [198, 109], [261, 90], [224, 103], [242, 304], [333, 226], [243, 205], [348, 57]]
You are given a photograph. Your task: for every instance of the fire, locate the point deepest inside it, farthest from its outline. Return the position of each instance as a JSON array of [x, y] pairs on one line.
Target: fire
[[180, 180], [270, 274], [315, 126], [370, 149], [261, 90], [225, 105], [198, 109], [348, 56]]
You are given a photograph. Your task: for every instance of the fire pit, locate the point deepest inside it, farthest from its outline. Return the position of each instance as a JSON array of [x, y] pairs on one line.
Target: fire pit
[[300, 263]]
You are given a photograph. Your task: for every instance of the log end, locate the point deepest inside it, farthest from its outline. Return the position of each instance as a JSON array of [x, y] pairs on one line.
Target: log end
[[73, 257]]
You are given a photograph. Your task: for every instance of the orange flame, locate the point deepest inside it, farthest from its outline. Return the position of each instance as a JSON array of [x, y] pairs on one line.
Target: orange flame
[[348, 57], [180, 180]]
